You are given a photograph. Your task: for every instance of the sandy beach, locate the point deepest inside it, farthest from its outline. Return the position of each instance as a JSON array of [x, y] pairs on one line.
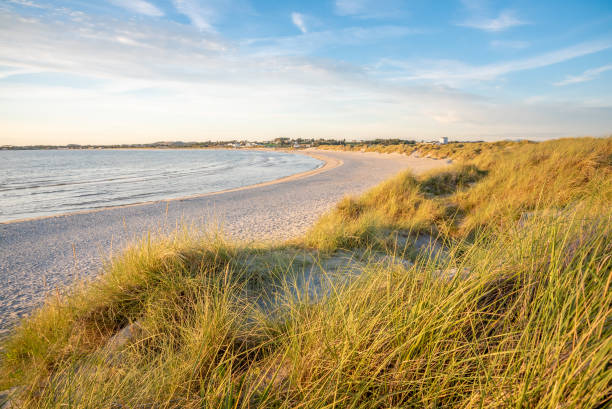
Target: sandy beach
[[40, 255]]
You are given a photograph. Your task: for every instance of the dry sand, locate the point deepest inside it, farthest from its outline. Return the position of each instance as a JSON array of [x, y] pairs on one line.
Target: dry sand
[[40, 255]]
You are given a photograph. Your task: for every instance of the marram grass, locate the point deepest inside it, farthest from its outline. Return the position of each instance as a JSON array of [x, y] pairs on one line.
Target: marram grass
[[501, 184], [516, 315]]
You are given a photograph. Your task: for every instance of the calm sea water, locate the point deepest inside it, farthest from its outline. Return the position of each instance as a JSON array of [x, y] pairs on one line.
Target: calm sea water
[[43, 183]]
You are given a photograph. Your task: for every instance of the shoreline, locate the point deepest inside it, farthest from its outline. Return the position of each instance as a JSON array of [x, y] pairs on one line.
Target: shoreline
[[41, 255], [328, 164]]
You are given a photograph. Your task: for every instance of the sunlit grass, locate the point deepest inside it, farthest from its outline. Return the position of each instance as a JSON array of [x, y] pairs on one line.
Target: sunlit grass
[[501, 184]]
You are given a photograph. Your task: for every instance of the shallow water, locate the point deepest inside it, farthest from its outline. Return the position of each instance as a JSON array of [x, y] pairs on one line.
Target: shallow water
[[50, 182]]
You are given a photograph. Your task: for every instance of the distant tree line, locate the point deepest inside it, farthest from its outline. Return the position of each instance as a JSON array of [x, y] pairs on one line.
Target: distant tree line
[[283, 142]]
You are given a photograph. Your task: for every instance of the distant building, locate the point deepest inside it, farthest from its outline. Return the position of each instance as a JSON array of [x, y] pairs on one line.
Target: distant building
[[443, 140]]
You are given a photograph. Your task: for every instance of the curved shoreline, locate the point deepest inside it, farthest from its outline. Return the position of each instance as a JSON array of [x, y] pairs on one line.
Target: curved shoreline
[[328, 164], [43, 255]]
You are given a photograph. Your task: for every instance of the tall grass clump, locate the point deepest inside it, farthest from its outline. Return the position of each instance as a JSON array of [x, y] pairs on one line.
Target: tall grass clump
[[520, 320], [186, 296], [406, 202], [549, 175]]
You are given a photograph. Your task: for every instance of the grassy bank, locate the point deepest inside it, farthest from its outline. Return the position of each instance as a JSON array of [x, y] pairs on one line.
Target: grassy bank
[[488, 188], [458, 151], [513, 311]]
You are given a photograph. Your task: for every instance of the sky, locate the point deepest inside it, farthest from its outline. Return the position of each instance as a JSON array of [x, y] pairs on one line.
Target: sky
[[138, 71]]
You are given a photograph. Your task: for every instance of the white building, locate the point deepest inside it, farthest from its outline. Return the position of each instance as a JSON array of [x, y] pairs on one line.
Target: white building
[[443, 140]]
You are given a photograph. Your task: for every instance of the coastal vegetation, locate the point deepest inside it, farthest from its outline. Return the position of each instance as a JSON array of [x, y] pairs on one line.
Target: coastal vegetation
[[281, 143], [482, 284]]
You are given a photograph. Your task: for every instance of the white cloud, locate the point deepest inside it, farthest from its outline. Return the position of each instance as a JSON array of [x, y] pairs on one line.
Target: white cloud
[[455, 72], [139, 6], [588, 75], [106, 48], [199, 15], [298, 20], [27, 3], [204, 14], [506, 19]]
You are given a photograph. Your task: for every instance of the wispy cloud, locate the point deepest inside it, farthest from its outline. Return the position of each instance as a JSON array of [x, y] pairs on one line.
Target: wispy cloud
[[311, 41], [199, 15], [105, 48], [505, 20], [204, 14], [139, 6], [457, 72], [298, 20], [27, 3], [588, 75], [7, 72]]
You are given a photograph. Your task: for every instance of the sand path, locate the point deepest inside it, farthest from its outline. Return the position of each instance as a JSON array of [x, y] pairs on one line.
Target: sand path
[[39, 255]]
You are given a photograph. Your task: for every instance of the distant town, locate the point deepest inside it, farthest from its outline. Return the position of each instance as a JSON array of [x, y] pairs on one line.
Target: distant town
[[285, 143]]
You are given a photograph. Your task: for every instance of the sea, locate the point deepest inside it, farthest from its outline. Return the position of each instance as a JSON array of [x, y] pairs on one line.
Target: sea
[[37, 183]]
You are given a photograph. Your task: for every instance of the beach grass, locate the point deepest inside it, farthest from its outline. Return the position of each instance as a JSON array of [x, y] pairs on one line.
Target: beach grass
[[513, 311], [494, 188]]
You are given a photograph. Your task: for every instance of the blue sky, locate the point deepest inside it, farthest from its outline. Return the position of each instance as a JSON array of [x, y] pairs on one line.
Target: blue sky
[[122, 71]]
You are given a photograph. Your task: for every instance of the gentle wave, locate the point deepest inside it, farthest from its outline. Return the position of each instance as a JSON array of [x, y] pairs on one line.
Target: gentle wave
[[51, 182]]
